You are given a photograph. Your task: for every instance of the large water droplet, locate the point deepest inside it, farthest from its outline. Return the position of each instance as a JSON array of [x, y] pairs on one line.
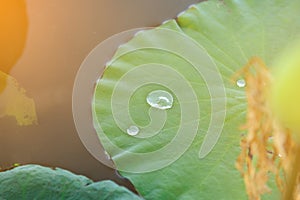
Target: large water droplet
[[133, 130], [241, 83], [160, 99]]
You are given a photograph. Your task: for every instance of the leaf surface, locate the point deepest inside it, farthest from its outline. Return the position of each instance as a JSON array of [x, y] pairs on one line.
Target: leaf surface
[[194, 58], [37, 182]]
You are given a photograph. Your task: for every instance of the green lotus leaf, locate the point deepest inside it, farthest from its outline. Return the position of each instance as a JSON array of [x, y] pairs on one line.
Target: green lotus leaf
[[38, 182], [189, 151]]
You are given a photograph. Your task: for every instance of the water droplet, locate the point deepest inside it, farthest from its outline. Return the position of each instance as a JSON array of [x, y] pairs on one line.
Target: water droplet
[[241, 83], [160, 99], [133, 130]]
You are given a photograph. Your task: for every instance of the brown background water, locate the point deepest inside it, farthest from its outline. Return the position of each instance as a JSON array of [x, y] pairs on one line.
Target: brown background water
[[60, 35]]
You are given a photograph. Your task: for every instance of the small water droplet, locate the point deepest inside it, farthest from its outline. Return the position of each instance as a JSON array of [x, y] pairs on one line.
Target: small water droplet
[[133, 130], [160, 99], [241, 83], [279, 155]]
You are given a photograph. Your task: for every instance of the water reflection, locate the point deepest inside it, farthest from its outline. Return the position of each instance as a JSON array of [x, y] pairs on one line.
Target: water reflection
[[13, 32]]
